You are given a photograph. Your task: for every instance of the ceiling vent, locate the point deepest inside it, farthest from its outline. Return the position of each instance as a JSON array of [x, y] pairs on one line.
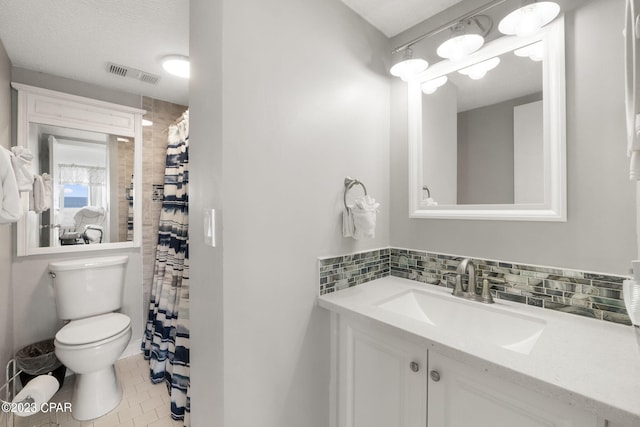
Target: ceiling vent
[[124, 71]]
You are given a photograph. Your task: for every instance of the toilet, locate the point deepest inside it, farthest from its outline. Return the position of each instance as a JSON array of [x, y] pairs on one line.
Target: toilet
[[87, 293]]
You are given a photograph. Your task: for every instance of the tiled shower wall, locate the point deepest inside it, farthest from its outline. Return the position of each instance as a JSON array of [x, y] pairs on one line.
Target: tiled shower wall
[[587, 294], [154, 149]]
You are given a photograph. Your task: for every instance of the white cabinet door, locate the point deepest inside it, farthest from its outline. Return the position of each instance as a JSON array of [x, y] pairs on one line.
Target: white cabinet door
[[381, 378], [468, 397]]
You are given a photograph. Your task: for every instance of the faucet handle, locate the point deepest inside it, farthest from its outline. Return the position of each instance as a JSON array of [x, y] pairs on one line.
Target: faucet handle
[[458, 291], [486, 293]]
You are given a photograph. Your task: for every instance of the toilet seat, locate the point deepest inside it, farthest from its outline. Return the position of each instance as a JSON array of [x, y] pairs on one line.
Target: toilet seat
[[93, 329]]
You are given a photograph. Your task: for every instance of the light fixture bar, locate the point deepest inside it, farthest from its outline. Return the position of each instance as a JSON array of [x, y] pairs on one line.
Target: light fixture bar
[[449, 24]]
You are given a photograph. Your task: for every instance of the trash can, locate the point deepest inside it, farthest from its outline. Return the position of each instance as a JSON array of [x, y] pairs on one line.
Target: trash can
[[37, 359]]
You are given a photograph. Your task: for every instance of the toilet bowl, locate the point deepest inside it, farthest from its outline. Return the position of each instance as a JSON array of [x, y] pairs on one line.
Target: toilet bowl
[[90, 347], [88, 293]]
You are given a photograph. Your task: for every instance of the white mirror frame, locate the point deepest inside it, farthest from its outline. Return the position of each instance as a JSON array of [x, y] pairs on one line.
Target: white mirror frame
[[554, 207], [43, 106]]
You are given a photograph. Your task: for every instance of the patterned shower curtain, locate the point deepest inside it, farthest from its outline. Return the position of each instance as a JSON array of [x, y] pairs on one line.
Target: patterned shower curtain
[[166, 338]]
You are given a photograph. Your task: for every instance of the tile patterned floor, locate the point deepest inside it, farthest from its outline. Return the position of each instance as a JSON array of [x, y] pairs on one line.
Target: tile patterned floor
[[143, 403]]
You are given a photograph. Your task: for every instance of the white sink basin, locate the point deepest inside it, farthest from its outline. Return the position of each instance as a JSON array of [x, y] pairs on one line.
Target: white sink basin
[[469, 321]]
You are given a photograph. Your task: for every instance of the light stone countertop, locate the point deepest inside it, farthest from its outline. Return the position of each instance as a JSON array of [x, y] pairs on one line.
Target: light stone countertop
[[589, 363]]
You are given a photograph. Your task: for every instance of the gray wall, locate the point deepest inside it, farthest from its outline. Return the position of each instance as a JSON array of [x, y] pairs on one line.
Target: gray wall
[[485, 152], [600, 232], [440, 142], [205, 191], [33, 304], [74, 87], [305, 93], [6, 236]]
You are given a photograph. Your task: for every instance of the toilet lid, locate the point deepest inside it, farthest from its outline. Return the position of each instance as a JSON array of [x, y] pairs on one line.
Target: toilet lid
[[93, 329]]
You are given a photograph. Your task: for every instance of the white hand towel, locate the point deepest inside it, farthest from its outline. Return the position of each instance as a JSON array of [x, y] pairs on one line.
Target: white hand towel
[[9, 195], [36, 199], [364, 217], [21, 162], [47, 194], [347, 223]]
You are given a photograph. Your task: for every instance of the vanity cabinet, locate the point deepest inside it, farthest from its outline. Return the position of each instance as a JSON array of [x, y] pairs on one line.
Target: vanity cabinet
[[387, 378], [460, 395], [382, 378]]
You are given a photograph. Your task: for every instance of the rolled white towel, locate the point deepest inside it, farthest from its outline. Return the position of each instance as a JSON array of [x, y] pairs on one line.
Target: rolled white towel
[[364, 217], [21, 162], [47, 194], [36, 199], [347, 223]]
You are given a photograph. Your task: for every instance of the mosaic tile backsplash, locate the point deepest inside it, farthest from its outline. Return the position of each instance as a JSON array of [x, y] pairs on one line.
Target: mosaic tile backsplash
[[350, 270], [587, 294]]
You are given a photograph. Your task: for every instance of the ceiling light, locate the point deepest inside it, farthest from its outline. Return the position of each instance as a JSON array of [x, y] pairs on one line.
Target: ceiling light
[[529, 18], [479, 70], [408, 67], [534, 51], [146, 122], [460, 44], [431, 86], [177, 65]]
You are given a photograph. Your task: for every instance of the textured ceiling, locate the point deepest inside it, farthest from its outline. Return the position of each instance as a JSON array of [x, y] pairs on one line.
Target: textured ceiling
[[76, 39], [394, 16]]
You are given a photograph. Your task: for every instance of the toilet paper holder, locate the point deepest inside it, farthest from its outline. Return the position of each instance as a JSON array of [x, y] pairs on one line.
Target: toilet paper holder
[[23, 407]]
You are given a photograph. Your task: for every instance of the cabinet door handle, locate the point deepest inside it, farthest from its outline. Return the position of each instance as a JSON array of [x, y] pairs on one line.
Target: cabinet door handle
[[414, 366], [435, 376]]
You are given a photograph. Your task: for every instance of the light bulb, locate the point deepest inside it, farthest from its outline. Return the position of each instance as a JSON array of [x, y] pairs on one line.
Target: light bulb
[[529, 18], [460, 46], [177, 65], [479, 70], [408, 67], [430, 86], [534, 51]]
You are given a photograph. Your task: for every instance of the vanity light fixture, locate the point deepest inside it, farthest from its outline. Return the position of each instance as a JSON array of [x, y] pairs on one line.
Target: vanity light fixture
[[463, 42], [479, 70], [146, 122], [526, 20], [535, 51], [430, 86], [408, 66], [529, 18], [178, 65]]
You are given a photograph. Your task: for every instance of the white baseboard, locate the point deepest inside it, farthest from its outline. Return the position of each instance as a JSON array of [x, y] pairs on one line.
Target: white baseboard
[[132, 349]]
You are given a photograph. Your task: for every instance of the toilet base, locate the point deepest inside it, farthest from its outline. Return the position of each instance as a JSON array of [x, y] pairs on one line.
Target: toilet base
[[95, 394]]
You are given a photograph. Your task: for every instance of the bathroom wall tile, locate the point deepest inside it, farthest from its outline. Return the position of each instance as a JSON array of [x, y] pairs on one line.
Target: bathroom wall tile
[[354, 269], [583, 293]]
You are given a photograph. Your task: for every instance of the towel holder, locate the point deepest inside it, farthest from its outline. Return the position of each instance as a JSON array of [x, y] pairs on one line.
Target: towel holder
[[348, 183], [425, 188]]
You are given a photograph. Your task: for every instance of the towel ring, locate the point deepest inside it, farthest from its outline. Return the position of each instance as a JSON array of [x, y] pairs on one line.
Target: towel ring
[[348, 183], [425, 188]]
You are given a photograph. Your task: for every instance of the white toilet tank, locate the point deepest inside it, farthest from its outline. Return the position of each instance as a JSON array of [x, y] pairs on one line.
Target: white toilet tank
[[88, 287]]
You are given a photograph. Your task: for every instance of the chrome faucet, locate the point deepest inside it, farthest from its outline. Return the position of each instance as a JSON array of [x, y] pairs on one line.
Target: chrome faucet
[[470, 292]]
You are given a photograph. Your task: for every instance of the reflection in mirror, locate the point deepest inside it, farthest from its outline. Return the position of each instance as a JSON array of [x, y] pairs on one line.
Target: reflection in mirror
[[487, 132], [87, 159], [483, 133], [91, 180]]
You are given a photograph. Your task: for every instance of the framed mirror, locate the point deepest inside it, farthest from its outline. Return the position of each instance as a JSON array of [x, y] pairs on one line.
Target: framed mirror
[[88, 156], [487, 136]]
